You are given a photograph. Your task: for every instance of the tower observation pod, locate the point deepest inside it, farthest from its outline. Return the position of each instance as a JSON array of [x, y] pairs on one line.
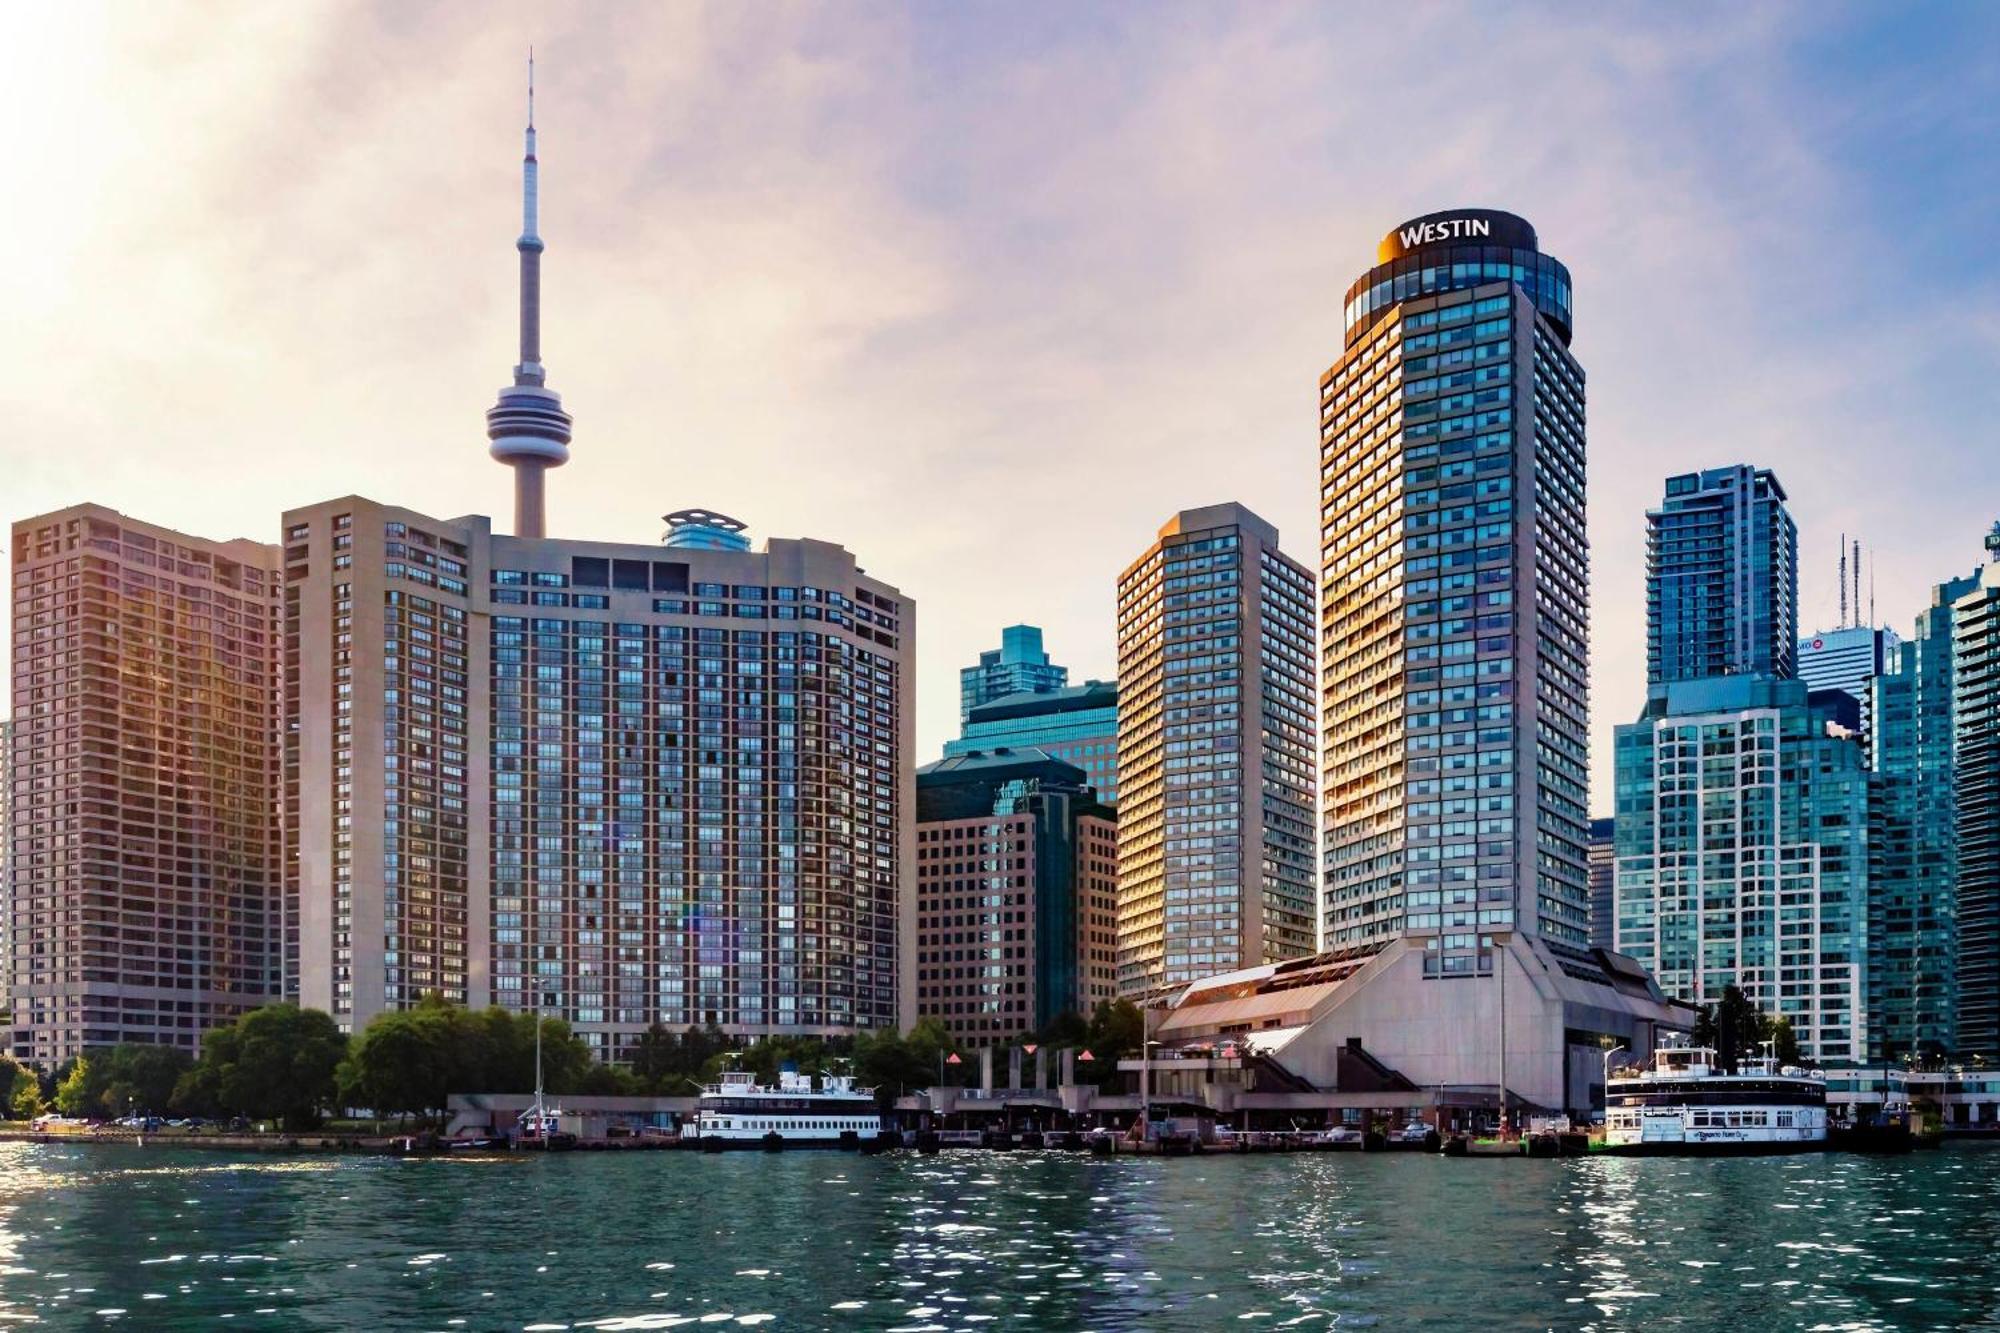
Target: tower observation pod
[[528, 428]]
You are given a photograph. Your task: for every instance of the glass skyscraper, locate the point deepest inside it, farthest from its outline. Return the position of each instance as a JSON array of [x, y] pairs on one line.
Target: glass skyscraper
[[1215, 751], [1722, 577], [1976, 800], [1913, 842], [1455, 611], [1742, 854], [1077, 724], [1846, 660], [1017, 666]]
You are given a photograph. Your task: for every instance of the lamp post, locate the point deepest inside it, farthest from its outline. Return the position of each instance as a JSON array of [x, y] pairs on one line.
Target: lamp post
[[1499, 940], [1607, 1078]]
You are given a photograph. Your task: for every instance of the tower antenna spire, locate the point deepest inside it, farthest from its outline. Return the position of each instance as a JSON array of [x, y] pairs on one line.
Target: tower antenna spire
[[528, 428]]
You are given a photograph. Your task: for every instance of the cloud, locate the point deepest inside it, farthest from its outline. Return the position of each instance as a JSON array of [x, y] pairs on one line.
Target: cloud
[[984, 293]]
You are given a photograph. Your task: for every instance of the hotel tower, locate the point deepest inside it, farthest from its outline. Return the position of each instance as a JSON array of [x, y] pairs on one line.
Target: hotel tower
[[1455, 610]]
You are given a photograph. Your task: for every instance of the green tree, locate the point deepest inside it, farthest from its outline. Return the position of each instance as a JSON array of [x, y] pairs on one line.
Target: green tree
[[74, 1095], [1738, 1028], [274, 1063], [1783, 1042], [22, 1089]]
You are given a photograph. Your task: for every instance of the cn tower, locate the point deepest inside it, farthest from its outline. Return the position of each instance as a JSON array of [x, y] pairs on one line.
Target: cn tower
[[528, 427]]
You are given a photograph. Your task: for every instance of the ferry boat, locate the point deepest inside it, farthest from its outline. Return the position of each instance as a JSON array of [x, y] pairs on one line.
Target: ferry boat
[[1684, 1104], [740, 1112]]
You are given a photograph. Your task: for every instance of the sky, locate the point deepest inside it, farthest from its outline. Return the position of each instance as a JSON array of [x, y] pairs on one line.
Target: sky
[[987, 292]]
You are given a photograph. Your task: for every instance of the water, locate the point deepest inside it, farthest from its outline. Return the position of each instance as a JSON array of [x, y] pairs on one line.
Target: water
[[175, 1239]]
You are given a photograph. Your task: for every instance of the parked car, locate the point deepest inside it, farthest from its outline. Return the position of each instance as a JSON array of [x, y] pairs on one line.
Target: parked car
[[1337, 1134], [1416, 1131]]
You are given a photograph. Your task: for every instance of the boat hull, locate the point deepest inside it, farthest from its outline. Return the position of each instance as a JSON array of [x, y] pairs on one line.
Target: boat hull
[[1725, 1148]]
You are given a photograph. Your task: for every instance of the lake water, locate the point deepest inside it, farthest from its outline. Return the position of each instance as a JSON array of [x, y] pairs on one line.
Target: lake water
[[175, 1239]]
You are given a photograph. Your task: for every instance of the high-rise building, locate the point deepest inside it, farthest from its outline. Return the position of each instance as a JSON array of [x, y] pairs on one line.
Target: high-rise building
[[1722, 577], [1017, 894], [1455, 611], [1976, 803], [615, 783], [1017, 666], [1077, 724], [6, 844], [1845, 659], [1454, 617], [146, 849], [1603, 908], [1742, 854], [1913, 842], [1215, 749]]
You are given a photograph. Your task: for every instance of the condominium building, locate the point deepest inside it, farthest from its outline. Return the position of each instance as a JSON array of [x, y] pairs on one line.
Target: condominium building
[[1454, 601], [1077, 724], [146, 850], [1016, 895], [1742, 854], [1913, 842], [1017, 666], [615, 783], [621, 784], [1722, 577], [1215, 752], [1976, 804]]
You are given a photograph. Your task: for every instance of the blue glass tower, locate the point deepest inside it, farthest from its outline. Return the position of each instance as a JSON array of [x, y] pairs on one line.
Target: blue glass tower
[[1722, 578], [1913, 843], [1017, 666]]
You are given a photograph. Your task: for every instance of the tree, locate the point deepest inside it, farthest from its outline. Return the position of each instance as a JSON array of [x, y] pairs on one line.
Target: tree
[[1738, 1028], [23, 1091], [1783, 1042], [274, 1063], [74, 1095]]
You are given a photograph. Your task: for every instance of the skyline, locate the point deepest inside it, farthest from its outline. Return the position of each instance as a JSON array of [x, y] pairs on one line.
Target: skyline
[[807, 259]]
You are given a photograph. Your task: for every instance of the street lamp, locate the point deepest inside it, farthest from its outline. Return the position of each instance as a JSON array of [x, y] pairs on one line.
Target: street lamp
[[1499, 940], [1607, 1078]]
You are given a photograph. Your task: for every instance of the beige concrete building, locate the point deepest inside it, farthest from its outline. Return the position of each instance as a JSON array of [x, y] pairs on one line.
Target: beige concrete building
[[145, 840], [618, 783], [1017, 894], [1215, 752]]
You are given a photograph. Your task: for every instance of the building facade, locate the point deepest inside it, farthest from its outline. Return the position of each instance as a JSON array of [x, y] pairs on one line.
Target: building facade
[[1017, 666], [1603, 909], [1455, 608], [146, 849], [1976, 805], [1077, 724], [1215, 752], [1845, 659], [1913, 843], [617, 783], [1722, 577], [1017, 895], [1742, 854]]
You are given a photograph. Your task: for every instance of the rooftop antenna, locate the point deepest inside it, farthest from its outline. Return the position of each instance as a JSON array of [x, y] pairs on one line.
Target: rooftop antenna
[[1843, 581], [1871, 588], [1857, 580]]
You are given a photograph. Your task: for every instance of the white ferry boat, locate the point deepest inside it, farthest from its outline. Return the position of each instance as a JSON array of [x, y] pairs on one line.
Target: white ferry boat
[[740, 1112], [1685, 1104]]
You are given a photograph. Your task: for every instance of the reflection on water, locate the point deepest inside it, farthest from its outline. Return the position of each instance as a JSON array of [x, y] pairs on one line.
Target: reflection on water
[[164, 1239]]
